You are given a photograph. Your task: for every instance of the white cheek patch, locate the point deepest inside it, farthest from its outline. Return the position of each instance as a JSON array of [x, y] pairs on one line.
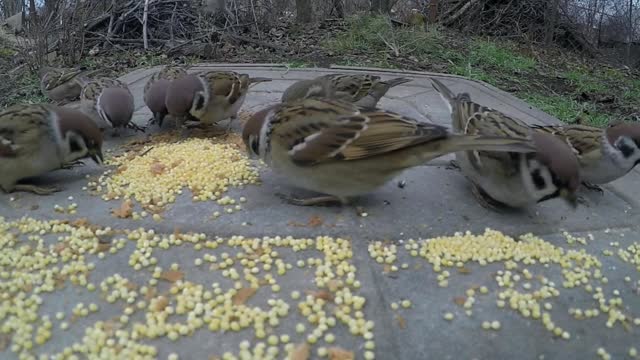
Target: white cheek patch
[[527, 168], [101, 112]]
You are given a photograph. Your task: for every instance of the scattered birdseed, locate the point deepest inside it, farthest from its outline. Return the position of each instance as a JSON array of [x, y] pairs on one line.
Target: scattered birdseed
[[59, 253]]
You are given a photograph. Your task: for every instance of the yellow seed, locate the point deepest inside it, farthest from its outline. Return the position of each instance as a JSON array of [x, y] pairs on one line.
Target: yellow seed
[[448, 316], [406, 304]]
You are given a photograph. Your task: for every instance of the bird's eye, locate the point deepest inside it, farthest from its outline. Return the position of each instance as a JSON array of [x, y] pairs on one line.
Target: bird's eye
[[74, 145], [255, 146], [538, 180]]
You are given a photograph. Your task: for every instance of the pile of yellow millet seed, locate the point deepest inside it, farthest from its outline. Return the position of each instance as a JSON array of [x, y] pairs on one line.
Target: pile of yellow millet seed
[[158, 174]]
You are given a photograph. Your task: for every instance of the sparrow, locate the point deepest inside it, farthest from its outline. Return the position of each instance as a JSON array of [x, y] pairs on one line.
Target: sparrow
[[362, 90], [36, 139], [209, 97], [513, 180], [604, 155], [155, 91], [62, 84], [110, 101], [338, 149]]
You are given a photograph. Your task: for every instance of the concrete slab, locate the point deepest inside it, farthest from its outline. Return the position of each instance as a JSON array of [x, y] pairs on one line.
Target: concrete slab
[[431, 202]]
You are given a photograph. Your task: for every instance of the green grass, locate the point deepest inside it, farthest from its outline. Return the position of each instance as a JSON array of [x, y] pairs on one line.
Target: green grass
[[488, 61], [376, 37], [566, 109], [297, 64], [25, 90], [583, 81]]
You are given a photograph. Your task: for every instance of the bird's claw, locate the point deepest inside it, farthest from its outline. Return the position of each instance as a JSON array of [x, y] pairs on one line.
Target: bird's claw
[[323, 200], [73, 164], [39, 190], [593, 187]]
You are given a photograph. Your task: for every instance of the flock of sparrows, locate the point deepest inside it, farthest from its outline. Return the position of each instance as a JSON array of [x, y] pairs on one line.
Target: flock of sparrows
[[327, 135]]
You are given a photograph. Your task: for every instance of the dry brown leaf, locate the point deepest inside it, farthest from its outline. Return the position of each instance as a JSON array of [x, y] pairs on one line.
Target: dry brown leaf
[[124, 211], [464, 271], [82, 222], [337, 353], [314, 221], [386, 268], [102, 247], [333, 285], [157, 168], [151, 292], [59, 247], [301, 352], [172, 275], [130, 286], [321, 294], [459, 300], [243, 295], [161, 303], [402, 322]]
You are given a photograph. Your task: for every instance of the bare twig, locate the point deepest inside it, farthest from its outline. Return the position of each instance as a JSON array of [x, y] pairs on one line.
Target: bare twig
[[393, 47], [145, 17]]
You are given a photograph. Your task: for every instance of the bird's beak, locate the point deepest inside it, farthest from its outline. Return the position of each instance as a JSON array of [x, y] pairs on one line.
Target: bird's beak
[[96, 155], [570, 197]]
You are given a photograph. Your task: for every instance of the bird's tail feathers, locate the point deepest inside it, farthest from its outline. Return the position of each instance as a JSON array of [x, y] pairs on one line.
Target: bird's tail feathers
[[489, 143]]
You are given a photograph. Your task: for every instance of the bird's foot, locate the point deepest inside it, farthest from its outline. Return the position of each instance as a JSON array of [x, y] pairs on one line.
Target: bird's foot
[[40, 190], [323, 200], [136, 127], [582, 201], [73, 164], [453, 165], [485, 200], [593, 187]]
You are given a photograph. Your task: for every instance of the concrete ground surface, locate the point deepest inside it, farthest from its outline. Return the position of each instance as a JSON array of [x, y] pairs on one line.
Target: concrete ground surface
[[423, 203]]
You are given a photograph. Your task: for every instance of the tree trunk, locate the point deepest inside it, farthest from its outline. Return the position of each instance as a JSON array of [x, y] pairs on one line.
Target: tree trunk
[[380, 6], [11, 7], [304, 11], [550, 19], [630, 33], [433, 11], [338, 8]]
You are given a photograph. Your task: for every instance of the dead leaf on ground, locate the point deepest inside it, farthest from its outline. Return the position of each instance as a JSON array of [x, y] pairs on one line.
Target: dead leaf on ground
[[59, 247], [151, 292], [158, 168], [464, 271], [459, 300], [333, 285], [103, 247], [124, 211], [314, 221], [402, 322], [386, 268], [172, 275], [82, 222], [301, 352], [337, 353], [161, 303], [243, 295], [321, 294]]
